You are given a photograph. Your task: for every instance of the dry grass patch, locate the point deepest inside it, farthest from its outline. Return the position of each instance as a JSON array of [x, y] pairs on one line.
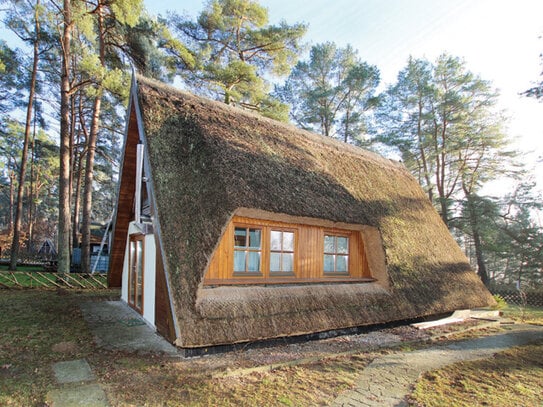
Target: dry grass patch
[[38, 328], [528, 314], [180, 384], [511, 378], [42, 327]]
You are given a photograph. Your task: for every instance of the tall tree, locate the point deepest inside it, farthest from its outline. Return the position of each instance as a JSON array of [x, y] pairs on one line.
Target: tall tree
[[11, 144], [107, 16], [34, 38], [11, 81], [484, 157], [236, 49], [64, 215], [444, 122], [405, 116], [510, 233], [522, 231], [146, 43], [330, 92], [437, 116]]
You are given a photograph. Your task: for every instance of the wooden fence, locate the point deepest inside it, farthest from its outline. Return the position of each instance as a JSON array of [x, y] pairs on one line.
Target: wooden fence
[[40, 279]]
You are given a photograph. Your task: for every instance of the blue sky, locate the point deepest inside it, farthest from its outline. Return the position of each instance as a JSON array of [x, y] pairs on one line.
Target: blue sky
[[498, 39]]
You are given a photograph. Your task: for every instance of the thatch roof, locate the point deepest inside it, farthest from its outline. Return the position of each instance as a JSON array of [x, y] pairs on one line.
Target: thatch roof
[[207, 159]]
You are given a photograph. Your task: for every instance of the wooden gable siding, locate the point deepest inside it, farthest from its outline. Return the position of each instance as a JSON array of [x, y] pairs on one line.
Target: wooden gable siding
[[125, 202], [308, 256]]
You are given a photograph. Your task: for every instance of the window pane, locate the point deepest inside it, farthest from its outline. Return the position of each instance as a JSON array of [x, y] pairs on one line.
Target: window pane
[[240, 237], [288, 241], [342, 264], [239, 261], [329, 263], [288, 262], [329, 244], [139, 276], [275, 243], [254, 238], [254, 261], [342, 244], [275, 262]]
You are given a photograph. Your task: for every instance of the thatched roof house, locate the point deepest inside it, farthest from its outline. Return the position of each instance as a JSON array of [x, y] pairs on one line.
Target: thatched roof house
[[231, 228]]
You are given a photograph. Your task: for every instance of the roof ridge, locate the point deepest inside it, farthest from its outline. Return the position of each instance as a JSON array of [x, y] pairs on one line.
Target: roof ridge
[[309, 136]]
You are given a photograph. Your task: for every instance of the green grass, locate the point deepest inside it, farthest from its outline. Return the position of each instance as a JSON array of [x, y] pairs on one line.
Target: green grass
[[35, 322], [32, 322], [528, 314], [5, 267], [31, 279]]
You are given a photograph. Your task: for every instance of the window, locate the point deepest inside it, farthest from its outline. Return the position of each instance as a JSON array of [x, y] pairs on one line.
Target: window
[[247, 250], [281, 251], [135, 273], [268, 251], [336, 254]]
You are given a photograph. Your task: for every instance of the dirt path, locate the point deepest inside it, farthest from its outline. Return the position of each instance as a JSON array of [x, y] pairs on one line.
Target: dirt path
[[387, 380]]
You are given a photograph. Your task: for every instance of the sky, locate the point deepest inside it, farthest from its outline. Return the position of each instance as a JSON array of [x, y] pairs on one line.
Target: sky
[[500, 40]]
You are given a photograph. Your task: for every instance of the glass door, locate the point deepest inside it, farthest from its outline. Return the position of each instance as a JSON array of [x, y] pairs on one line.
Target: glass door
[[135, 273]]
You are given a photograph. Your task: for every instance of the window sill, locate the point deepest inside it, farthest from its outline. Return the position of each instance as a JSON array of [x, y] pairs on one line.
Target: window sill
[[247, 274], [338, 279], [332, 274], [279, 274]]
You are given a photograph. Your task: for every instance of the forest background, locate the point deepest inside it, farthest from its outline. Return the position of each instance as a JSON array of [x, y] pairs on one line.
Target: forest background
[[64, 77]]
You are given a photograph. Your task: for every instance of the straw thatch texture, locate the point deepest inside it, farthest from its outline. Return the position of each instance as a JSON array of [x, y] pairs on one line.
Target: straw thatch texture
[[208, 159]]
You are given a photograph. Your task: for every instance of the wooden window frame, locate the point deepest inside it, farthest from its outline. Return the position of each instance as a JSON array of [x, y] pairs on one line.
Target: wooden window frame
[[265, 274], [248, 250], [278, 274], [132, 283], [335, 234]]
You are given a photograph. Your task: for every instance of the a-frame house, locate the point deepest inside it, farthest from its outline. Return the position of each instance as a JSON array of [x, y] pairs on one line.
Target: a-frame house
[[234, 228]]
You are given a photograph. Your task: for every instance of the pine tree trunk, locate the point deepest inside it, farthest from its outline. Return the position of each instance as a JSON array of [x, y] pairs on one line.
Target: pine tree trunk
[[78, 171], [24, 158], [474, 224], [87, 195], [89, 165], [64, 216], [11, 200], [31, 195]]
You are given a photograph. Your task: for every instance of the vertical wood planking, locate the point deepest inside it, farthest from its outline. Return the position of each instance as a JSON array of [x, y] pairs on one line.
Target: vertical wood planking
[[309, 251]]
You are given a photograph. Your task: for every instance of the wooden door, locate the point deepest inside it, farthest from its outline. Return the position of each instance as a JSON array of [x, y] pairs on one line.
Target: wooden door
[[135, 273]]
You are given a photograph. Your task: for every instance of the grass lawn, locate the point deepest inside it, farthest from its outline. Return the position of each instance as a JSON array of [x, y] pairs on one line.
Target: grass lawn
[[5, 267], [27, 277], [40, 327], [529, 315], [512, 378], [33, 324]]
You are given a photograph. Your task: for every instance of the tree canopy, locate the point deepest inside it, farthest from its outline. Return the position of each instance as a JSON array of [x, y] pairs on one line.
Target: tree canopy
[[235, 50], [70, 76], [330, 92], [444, 121]]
